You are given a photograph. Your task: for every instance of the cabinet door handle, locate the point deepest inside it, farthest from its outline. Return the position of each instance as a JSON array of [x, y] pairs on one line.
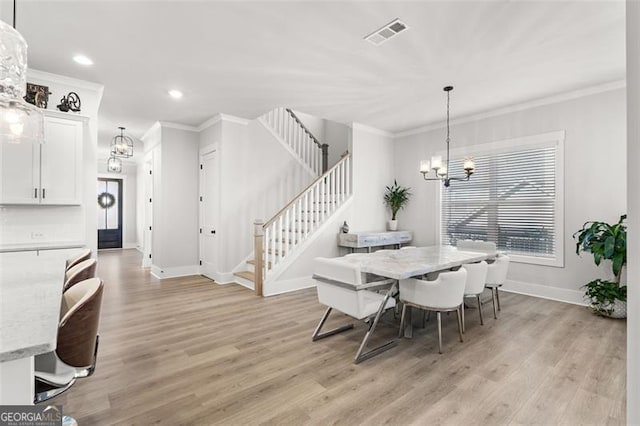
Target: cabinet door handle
[[35, 192], [43, 193]]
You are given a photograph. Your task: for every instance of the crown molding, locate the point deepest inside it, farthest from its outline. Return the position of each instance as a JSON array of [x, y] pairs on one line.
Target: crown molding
[[63, 79], [222, 117], [155, 126], [554, 99], [178, 126], [373, 130]]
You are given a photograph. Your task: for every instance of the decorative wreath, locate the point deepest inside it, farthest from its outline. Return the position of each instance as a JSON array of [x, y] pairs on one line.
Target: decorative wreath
[[106, 200]]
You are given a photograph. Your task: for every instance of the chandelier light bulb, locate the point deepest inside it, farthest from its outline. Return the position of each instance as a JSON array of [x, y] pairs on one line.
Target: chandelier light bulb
[[425, 166]]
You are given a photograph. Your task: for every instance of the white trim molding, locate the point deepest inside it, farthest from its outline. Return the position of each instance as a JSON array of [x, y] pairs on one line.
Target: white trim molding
[[372, 130], [222, 117], [178, 126], [554, 99], [174, 272], [287, 286], [154, 127], [558, 294]]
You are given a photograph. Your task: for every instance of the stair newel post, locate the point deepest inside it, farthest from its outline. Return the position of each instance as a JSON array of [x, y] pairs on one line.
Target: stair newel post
[[325, 157], [258, 241]]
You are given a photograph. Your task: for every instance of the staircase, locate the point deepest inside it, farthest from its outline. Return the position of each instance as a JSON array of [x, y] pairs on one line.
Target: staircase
[[280, 240]]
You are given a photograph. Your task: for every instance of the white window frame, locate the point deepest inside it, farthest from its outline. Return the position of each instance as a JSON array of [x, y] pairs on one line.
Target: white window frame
[[556, 139]]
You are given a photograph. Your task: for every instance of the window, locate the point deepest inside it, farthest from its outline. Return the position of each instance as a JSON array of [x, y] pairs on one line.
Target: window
[[513, 199]]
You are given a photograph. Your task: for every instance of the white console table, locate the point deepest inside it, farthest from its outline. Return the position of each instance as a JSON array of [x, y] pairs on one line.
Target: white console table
[[368, 240]]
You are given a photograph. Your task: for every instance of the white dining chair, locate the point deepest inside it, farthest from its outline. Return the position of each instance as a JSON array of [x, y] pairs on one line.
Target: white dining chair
[[475, 285], [443, 294], [496, 277], [342, 286]]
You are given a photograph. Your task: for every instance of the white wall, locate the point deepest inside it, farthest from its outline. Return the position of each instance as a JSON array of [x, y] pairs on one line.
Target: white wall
[[595, 176], [633, 199], [335, 134], [372, 170], [129, 178], [258, 176], [62, 223], [175, 204]]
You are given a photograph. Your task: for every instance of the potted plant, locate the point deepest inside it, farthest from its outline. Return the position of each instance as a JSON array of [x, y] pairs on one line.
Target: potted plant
[[606, 242], [396, 198]]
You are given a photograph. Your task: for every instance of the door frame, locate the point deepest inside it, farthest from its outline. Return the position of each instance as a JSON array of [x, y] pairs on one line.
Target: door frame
[[208, 149], [147, 212], [121, 178]]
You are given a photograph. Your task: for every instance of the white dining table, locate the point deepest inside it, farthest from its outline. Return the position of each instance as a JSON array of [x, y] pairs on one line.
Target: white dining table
[[413, 262]]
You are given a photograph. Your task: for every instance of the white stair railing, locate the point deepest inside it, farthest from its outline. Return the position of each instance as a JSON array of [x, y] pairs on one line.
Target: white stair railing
[[300, 140], [297, 221]]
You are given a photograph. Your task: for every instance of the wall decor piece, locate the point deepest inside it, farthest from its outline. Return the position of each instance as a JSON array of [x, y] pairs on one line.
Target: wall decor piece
[[37, 95], [71, 102], [106, 200]]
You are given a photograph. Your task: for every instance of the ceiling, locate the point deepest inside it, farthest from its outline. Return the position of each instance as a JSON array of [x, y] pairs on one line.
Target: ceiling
[[245, 58]]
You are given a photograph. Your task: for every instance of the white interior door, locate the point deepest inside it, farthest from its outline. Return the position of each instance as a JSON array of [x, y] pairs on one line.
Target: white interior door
[[148, 211], [209, 205]]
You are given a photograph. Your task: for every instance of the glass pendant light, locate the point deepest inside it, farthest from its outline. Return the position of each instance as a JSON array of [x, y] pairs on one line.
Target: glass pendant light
[[114, 165], [121, 145], [19, 120]]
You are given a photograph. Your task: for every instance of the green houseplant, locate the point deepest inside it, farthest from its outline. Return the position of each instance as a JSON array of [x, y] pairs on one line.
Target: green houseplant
[[396, 198], [606, 243]]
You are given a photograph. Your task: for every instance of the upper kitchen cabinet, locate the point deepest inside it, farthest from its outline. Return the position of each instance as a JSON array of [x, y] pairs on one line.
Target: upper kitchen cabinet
[[50, 173]]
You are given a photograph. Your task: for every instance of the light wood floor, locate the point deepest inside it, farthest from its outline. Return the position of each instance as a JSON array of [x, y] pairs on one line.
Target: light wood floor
[[188, 351]]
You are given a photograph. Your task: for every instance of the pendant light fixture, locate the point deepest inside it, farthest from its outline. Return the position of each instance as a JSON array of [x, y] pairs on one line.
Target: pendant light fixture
[[121, 145], [114, 165], [19, 120], [442, 171]]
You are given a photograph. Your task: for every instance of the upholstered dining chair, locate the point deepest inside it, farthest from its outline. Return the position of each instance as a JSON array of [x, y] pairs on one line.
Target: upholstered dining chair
[[342, 286], [474, 285], [443, 294], [83, 255], [79, 272], [77, 343], [496, 276]]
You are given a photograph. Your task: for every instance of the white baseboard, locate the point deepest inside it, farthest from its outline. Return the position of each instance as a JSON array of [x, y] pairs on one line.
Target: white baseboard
[[129, 246], [287, 286], [574, 297], [174, 272], [140, 249]]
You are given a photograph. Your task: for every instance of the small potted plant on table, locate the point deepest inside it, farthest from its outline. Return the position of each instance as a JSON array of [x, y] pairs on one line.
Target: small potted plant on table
[[606, 242], [396, 198]]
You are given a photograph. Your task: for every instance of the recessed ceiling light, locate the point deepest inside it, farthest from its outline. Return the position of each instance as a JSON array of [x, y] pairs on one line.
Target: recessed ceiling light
[[82, 60], [175, 94]]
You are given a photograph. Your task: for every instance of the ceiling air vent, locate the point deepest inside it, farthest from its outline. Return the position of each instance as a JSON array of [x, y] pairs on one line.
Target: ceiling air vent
[[388, 31]]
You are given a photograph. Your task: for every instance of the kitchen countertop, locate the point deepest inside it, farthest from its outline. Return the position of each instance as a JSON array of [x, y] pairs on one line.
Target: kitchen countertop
[[8, 248], [30, 297]]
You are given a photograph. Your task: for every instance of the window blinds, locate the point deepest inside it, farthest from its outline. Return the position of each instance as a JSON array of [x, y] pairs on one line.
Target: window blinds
[[510, 199]]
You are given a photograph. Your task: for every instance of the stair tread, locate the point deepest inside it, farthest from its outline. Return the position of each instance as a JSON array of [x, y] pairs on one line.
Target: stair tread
[[253, 262], [247, 275]]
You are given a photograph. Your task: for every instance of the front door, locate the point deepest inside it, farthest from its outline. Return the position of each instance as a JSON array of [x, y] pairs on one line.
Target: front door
[[109, 213]]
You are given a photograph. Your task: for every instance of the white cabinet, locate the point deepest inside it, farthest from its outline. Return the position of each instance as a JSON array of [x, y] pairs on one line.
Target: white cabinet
[[50, 173]]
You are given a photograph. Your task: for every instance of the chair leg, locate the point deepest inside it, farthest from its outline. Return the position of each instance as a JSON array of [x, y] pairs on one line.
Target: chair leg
[[493, 300], [317, 335], [428, 315], [498, 298], [438, 315], [460, 328], [480, 309], [402, 316], [360, 356], [462, 314]]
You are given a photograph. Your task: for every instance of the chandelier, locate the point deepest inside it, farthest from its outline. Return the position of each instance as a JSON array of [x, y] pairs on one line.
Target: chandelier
[[121, 145], [114, 165], [442, 171], [19, 120]]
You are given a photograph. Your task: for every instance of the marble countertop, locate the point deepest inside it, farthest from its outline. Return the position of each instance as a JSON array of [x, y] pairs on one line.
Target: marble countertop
[[406, 263], [8, 248], [30, 296]]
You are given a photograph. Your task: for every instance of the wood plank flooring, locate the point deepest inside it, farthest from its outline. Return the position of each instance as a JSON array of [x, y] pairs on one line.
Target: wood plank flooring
[[189, 351]]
